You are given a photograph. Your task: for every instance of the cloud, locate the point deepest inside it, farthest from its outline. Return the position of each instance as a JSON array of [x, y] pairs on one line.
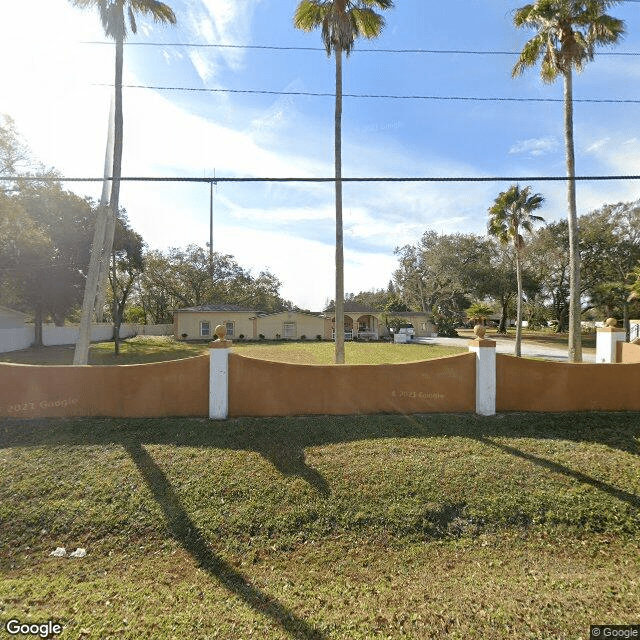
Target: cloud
[[225, 22], [535, 147]]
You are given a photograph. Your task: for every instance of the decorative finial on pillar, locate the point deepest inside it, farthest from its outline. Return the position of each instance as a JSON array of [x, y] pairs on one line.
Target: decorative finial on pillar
[[611, 322], [479, 330], [221, 332]]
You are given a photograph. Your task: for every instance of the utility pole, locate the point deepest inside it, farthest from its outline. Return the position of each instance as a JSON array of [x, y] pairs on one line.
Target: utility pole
[[211, 183]]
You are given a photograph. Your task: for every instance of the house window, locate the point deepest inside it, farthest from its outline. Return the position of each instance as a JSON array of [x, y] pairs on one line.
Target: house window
[[229, 327], [289, 330], [205, 329]]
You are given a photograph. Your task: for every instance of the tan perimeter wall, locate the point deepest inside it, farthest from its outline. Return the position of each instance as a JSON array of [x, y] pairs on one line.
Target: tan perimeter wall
[[175, 388], [629, 352], [264, 388], [532, 385]]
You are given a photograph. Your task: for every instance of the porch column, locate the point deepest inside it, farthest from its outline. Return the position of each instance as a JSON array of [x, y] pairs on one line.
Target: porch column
[[485, 351], [219, 376], [607, 340]]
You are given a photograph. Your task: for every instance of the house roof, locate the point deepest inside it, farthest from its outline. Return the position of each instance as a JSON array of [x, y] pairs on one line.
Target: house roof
[[298, 313], [408, 314], [353, 307], [218, 307], [5, 311]]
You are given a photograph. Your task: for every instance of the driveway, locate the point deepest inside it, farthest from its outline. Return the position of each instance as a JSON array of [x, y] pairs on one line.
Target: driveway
[[530, 349]]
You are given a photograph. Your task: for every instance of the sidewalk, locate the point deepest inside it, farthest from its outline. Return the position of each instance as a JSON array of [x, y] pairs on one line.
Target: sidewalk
[[507, 345]]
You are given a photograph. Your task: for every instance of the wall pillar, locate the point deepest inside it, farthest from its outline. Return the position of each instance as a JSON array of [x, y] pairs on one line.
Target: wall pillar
[[607, 340], [219, 376], [485, 351]]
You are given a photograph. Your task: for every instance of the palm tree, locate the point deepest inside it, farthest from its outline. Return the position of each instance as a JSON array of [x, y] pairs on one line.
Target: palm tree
[[341, 21], [114, 15], [567, 33], [512, 211]]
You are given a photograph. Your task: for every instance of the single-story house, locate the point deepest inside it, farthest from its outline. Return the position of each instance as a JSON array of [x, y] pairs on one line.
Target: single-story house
[[12, 319], [361, 322], [291, 325], [423, 326], [199, 323]]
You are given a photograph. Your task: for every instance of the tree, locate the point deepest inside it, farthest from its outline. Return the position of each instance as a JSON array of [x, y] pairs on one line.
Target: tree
[[439, 273], [512, 212], [479, 311], [567, 33], [129, 264], [182, 278], [112, 16], [341, 21], [46, 252]]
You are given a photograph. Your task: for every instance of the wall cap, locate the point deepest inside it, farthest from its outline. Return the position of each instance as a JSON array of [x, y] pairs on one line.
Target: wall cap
[[481, 342], [220, 344]]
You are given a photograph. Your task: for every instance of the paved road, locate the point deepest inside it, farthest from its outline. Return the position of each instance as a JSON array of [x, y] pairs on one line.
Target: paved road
[[531, 349]]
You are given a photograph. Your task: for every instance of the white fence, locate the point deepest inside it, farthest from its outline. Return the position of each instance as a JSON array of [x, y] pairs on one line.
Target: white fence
[[15, 339]]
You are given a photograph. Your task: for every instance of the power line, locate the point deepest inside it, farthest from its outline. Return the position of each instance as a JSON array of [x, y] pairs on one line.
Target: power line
[[319, 94], [323, 180], [358, 50]]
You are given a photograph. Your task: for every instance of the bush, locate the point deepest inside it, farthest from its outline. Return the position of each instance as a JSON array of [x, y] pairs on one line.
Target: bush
[[261, 336], [241, 337], [277, 336], [319, 338], [303, 337], [446, 327]]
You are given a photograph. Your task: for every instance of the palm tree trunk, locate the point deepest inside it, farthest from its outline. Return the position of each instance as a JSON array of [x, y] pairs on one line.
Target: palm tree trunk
[[518, 351], [339, 338], [575, 332]]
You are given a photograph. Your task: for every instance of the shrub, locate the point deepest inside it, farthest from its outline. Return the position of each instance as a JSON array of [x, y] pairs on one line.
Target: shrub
[[183, 335], [319, 338], [303, 337], [261, 336], [277, 336], [241, 337], [446, 327]]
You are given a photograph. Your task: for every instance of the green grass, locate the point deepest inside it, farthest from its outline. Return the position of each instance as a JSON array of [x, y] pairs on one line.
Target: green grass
[[154, 349], [355, 352], [439, 526]]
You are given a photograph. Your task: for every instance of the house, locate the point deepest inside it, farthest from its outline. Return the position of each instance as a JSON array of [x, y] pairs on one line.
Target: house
[[361, 323], [11, 319], [199, 323], [290, 325], [423, 326]]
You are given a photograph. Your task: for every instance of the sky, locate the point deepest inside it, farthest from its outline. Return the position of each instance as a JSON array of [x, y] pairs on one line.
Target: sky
[[57, 68]]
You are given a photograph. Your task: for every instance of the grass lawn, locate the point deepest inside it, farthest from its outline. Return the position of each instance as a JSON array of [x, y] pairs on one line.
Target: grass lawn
[[153, 349], [438, 526]]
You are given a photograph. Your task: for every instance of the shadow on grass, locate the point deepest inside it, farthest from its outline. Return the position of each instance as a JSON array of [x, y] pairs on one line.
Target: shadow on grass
[[283, 441], [624, 496], [185, 532]]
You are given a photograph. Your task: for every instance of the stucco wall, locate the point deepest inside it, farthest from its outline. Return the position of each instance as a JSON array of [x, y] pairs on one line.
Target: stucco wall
[[175, 388], [263, 388], [533, 385], [189, 323], [629, 352], [309, 326]]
